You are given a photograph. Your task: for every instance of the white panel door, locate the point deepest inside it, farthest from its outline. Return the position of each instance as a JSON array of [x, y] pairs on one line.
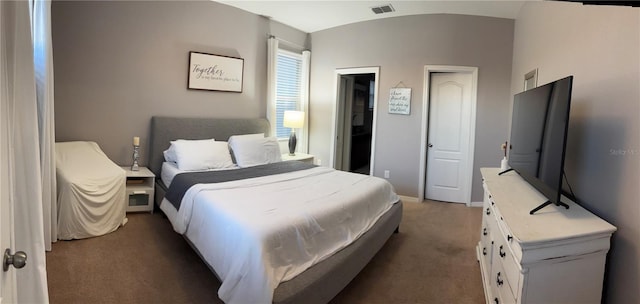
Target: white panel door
[[449, 136], [7, 278]]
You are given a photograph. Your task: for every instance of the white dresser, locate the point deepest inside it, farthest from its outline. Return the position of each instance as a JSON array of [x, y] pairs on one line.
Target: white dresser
[[556, 255]]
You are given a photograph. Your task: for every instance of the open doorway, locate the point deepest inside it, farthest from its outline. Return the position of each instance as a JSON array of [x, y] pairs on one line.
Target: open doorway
[[355, 120]]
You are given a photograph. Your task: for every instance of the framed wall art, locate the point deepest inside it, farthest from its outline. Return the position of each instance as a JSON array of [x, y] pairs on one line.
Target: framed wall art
[[400, 101], [215, 72], [531, 79]]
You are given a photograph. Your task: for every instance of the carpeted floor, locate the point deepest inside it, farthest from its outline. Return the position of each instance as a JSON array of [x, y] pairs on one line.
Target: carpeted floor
[[431, 260]]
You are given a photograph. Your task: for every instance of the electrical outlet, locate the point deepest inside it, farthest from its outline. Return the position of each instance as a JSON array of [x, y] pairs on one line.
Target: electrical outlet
[[318, 162], [386, 173]]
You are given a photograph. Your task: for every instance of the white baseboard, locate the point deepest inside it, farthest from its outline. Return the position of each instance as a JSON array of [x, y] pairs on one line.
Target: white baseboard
[[408, 199], [476, 204], [411, 199]]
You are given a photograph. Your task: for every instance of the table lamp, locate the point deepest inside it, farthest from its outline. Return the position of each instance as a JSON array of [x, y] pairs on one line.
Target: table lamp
[[293, 120]]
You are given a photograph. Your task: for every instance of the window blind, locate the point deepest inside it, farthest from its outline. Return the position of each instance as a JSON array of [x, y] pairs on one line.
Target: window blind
[[288, 88]]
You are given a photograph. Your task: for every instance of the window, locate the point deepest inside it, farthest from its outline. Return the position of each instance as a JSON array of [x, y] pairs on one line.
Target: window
[[288, 88]]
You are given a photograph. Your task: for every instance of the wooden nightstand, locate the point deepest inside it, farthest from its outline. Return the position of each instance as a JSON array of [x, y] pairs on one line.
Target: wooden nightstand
[[307, 158], [140, 189]]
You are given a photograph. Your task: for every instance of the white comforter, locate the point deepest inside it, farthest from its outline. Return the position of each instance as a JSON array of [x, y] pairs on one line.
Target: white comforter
[[262, 231]]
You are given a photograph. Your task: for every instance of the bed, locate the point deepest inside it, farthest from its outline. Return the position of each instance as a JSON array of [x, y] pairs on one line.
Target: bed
[[316, 284]]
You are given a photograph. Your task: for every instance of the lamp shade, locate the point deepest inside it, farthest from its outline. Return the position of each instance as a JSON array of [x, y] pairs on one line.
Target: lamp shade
[[293, 119]]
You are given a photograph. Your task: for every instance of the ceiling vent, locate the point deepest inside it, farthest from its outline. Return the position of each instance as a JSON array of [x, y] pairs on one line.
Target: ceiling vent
[[383, 9]]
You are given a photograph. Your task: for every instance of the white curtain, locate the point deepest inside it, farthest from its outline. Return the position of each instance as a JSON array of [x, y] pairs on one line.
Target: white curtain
[[272, 68], [304, 104], [20, 118], [43, 64]]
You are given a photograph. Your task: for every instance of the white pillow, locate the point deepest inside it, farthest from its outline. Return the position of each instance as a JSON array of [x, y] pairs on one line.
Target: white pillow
[[253, 150], [170, 154], [203, 154], [233, 138]]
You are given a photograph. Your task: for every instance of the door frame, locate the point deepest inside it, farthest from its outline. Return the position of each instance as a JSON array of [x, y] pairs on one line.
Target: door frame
[[428, 69], [334, 129]]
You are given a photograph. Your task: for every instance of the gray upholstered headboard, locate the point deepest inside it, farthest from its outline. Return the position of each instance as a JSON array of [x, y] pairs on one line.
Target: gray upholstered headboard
[[166, 129]]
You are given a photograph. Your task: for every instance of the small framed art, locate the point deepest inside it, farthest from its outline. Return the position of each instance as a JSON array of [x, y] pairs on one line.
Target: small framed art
[[400, 101], [215, 72]]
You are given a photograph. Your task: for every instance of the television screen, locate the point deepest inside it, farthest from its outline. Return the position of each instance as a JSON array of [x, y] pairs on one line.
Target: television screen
[[538, 136]]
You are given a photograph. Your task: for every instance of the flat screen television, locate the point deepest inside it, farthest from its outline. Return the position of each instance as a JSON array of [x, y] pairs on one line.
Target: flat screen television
[[538, 138]]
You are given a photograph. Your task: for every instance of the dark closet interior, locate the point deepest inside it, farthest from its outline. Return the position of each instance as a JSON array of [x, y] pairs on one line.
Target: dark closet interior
[[361, 123]]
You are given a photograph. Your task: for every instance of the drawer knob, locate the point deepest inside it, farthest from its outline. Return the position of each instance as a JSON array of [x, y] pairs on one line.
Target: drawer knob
[[484, 250], [488, 211], [498, 280], [484, 231], [502, 253], [509, 238]]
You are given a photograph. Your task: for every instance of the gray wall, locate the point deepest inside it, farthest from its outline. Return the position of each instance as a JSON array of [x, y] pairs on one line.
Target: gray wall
[[600, 46], [118, 63], [401, 47]]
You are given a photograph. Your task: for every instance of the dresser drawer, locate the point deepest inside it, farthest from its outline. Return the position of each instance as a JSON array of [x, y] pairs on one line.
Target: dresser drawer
[[489, 227], [510, 268], [511, 241], [501, 286], [504, 296], [485, 188], [486, 243]]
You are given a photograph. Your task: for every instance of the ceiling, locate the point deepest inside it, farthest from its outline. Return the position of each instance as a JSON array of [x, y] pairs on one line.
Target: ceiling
[[311, 16]]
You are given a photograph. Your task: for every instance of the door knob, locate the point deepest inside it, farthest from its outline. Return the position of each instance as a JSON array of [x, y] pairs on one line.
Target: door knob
[[18, 260], [430, 145]]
